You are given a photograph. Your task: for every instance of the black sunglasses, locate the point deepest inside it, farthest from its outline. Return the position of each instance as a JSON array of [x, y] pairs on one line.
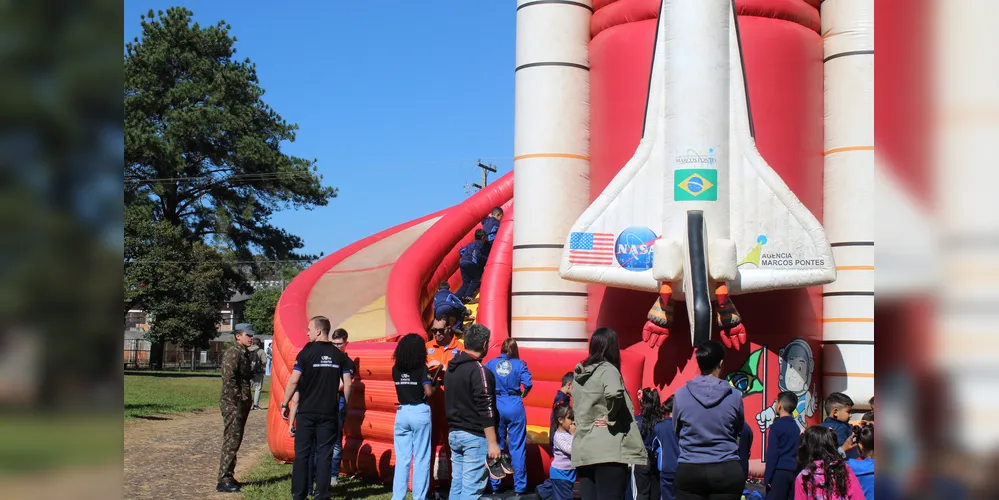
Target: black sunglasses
[[438, 330]]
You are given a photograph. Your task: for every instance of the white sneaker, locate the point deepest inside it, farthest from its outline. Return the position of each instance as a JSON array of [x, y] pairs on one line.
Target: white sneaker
[[333, 481]]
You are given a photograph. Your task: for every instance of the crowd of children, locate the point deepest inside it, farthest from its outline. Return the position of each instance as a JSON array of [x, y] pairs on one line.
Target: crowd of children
[[830, 461]]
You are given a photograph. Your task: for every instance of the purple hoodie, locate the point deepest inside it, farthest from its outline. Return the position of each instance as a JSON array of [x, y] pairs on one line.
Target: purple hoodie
[[707, 419]]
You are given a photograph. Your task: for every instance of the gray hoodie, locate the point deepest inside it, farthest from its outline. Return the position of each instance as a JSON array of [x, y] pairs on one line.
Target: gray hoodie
[[707, 417]]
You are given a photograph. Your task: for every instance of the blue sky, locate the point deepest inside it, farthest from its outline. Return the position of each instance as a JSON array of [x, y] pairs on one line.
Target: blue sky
[[396, 100]]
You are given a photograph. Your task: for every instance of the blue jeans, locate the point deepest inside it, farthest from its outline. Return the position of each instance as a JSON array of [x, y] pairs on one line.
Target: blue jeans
[[412, 445], [338, 439], [468, 465]]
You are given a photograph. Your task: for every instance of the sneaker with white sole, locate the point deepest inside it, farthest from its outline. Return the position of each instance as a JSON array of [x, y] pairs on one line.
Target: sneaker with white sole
[[495, 469], [505, 462]]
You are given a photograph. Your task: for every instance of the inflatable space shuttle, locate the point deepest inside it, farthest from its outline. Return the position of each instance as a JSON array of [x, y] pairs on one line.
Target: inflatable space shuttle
[[697, 208]]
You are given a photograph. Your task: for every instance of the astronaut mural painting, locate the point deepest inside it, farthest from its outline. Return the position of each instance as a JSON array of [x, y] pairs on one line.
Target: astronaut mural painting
[[794, 370], [796, 365]]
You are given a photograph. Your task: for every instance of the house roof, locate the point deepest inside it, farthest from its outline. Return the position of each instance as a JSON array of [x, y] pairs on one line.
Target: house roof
[[239, 297]]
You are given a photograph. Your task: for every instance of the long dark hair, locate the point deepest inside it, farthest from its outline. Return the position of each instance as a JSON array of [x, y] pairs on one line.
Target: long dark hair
[[604, 347], [410, 353], [561, 411], [652, 411], [817, 450]]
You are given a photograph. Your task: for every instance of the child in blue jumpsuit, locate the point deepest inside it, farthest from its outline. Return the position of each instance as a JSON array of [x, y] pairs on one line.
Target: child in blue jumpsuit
[[448, 305], [511, 373], [491, 224], [471, 263]]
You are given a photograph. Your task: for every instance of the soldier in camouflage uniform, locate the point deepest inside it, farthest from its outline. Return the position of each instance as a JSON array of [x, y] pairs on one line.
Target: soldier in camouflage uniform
[[235, 403]]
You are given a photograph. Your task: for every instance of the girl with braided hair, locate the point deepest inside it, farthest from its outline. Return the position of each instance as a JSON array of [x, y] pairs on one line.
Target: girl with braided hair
[[824, 474]]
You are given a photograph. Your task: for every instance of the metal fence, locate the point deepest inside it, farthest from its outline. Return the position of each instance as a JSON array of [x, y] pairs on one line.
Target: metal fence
[[175, 357]]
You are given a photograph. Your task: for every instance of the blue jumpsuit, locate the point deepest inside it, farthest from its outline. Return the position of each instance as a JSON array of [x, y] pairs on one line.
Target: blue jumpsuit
[[510, 375]]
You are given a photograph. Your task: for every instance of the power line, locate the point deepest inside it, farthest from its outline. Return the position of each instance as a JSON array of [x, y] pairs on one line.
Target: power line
[[235, 177], [282, 261], [279, 175], [485, 175]]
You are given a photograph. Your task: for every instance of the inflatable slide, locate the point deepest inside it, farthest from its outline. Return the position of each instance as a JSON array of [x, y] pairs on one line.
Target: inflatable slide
[[682, 171]]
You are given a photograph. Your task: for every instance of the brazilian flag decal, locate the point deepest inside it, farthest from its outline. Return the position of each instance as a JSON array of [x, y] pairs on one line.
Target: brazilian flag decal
[[747, 378], [695, 184]]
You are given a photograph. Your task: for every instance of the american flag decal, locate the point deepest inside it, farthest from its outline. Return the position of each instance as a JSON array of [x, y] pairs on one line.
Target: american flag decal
[[591, 249]]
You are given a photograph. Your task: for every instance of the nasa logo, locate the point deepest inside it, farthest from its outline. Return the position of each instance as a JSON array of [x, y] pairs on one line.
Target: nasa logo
[[454, 352], [633, 248], [503, 368], [430, 350]]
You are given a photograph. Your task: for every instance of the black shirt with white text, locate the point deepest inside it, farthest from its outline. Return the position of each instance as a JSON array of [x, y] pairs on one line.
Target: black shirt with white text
[[409, 385], [322, 366]]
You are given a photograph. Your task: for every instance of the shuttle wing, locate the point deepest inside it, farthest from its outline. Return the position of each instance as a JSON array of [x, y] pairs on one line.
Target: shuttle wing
[[777, 241]]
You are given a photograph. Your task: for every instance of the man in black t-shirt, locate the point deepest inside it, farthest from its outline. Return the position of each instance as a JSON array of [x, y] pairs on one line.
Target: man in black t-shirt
[[319, 370]]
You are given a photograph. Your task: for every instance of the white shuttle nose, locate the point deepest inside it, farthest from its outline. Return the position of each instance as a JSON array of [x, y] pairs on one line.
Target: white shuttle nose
[[698, 155]]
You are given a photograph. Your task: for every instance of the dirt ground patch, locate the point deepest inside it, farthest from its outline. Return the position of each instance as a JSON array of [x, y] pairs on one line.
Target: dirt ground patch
[[177, 456]]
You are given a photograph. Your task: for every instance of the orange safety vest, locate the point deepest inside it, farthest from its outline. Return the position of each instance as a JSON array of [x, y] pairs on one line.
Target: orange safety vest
[[443, 354]]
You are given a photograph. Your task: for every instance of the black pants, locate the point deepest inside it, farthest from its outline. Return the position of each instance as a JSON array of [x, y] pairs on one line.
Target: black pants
[[471, 276], [646, 483], [781, 486], [318, 431], [603, 481], [724, 481], [667, 490]]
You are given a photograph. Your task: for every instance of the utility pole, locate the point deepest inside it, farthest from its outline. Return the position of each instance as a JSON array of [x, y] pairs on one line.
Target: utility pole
[[485, 174]]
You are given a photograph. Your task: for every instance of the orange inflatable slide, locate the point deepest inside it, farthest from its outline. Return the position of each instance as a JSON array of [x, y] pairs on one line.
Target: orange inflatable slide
[[382, 286]]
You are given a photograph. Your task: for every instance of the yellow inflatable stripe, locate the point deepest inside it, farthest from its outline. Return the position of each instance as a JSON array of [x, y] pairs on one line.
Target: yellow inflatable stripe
[[368, 322]]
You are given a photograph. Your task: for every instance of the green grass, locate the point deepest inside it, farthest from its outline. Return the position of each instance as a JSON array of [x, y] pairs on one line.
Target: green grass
[[158, 393], [39, 442], [272, 479], [149, 393]]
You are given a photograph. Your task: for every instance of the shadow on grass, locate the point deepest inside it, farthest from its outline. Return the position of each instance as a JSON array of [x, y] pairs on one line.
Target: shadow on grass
[[272, 479], [150, 411], [154, 418], [360, 489], [269, 480], [153, 411]]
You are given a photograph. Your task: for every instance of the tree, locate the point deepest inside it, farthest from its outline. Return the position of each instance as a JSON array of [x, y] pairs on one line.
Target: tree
[[204, 173], [259, 312], [180, 284]]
